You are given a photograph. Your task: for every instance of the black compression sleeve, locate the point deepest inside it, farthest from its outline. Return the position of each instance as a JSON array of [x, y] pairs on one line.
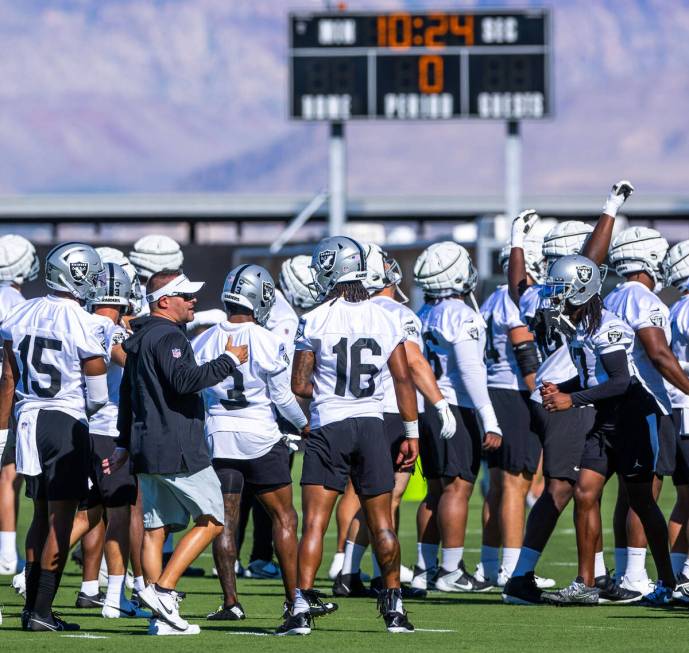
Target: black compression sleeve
[[615, 365], [570, 385], [527, 357]]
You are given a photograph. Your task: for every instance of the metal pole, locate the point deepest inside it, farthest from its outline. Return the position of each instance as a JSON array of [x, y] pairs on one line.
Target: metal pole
[[513, 171], [338, 179]]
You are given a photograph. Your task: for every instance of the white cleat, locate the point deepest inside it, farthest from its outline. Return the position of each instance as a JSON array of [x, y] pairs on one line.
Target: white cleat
[[453, 581], [165, 605], [644, 585], [9, 566], [423, 578], [481, 577], [406, 574], [160, 627], [129, 580], [502, 578], [544, 583], [336, 565], [19, 584], [125, 610]]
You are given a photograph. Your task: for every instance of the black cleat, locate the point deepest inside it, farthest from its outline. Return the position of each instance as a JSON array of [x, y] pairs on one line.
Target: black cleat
[[576, 593], [407, 592], [86, 601], [36, 623], [610, 592], [318, 607], [295, 624], [228, 613], [522, 590], [24, 618], [389, 603], [350, 585]]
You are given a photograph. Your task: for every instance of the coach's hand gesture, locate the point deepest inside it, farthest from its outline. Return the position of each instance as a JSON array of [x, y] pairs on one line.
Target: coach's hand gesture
[[241, 351]]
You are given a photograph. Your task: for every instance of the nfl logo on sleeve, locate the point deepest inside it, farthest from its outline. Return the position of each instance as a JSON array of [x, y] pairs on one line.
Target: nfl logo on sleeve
[[176, 352]]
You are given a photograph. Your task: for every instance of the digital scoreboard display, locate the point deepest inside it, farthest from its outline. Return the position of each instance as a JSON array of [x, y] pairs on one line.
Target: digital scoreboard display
[[420, 66]]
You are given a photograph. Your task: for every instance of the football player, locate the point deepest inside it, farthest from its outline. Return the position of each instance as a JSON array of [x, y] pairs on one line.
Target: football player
[[110, 495], [637, 254], [624, 436], [247, 448], [383, 276], [18, 263], [454, 339], [56, 366], [341, 347], [676, 274], [562, 434]]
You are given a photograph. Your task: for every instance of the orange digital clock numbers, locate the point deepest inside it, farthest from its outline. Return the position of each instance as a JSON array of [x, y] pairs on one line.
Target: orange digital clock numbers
[[396, 30], [431, 74]]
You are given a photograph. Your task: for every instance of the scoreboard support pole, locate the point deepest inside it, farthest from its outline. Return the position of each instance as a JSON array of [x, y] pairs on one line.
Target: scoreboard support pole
[[513, 171], [337, 179]]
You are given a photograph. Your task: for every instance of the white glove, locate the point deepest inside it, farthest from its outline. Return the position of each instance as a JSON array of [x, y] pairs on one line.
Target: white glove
[[3, 440], [488, 420], [618, 196], [448, 424], [292, 441], [521, 226]]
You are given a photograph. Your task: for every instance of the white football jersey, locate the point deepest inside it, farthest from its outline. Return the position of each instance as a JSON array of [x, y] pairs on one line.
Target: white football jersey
[[641, 308], [613, 334], [50, 337], [501, 316], [283, 321], [557, 366], [104, 422], [9, 298], [240, 417], [679, 323], [352, 342], [411, 327], [449, 322]]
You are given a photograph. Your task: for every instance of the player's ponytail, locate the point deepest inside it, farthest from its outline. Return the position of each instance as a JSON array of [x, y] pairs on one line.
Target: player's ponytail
[[351, 291], [592, 314]]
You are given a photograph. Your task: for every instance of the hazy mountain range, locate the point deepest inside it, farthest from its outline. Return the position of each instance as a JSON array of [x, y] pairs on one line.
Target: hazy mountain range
[[167, 95]]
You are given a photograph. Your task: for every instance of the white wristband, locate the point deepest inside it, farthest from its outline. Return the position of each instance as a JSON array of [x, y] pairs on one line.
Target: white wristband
[[488, 420], [411, 429]]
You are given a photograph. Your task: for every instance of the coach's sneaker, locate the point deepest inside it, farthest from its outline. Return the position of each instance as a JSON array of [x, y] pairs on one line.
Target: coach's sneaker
[[392, 611], [577, 593], [295, 624], [164, 604], [159, 627], [263, 570], [681, 591], [424, 578], [350, 585], [126, 609], [659, 597], [318, 607], [459, 581], [19, 584], [90, 601], [522, 590], [610, 592], [228, 613], [644, 585], [37, 623]]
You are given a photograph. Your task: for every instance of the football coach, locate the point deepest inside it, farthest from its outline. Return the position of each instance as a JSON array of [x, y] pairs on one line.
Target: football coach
[[161, 426]]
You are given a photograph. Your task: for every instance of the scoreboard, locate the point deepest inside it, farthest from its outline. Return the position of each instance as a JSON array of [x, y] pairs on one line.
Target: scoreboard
[[420, 66]]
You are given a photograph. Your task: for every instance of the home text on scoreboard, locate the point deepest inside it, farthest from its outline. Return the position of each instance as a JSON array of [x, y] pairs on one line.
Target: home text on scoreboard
[[420, 66]]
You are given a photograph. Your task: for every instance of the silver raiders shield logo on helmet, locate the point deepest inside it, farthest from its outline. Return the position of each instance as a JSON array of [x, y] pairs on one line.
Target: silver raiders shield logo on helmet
[[326, 259], [78, 270], [267, 291], [584, 273]]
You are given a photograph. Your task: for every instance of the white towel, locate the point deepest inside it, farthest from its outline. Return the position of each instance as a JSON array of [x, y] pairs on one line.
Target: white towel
[[28, 462]]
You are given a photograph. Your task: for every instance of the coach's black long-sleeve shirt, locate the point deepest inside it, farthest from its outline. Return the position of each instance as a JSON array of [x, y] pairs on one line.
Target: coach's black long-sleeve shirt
[[161, 412]]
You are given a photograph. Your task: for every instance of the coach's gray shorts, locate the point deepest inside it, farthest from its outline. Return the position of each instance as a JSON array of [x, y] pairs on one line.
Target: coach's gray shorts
[[171, 499]]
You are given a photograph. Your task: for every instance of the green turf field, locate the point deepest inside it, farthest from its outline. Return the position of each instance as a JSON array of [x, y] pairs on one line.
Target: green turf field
[[459, 622]]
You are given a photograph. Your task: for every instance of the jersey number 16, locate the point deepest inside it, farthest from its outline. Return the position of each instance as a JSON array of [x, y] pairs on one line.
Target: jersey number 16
[[357, 369]]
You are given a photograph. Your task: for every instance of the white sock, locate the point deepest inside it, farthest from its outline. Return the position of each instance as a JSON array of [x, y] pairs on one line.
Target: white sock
[[376, 567], [89, 587], [427, 555], [599, 564], [509, 559], [677, 560], [490, 561], [139, 584], [398, 605], [528, 559], [451, 557], [620, 561], [300, 603], [685, 568], [115, 589], [636, 564], [8, 545], [352, 558], [168, 545]]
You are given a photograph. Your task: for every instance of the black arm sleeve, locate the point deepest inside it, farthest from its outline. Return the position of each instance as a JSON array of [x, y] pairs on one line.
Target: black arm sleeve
[[615, 365], [570, 385], [527, 357], [177, 365], [124, 411]]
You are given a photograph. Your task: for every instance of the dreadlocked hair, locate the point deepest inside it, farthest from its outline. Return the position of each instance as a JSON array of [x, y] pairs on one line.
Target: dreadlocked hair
[[350, 291], [432, 299], [592, 314]]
